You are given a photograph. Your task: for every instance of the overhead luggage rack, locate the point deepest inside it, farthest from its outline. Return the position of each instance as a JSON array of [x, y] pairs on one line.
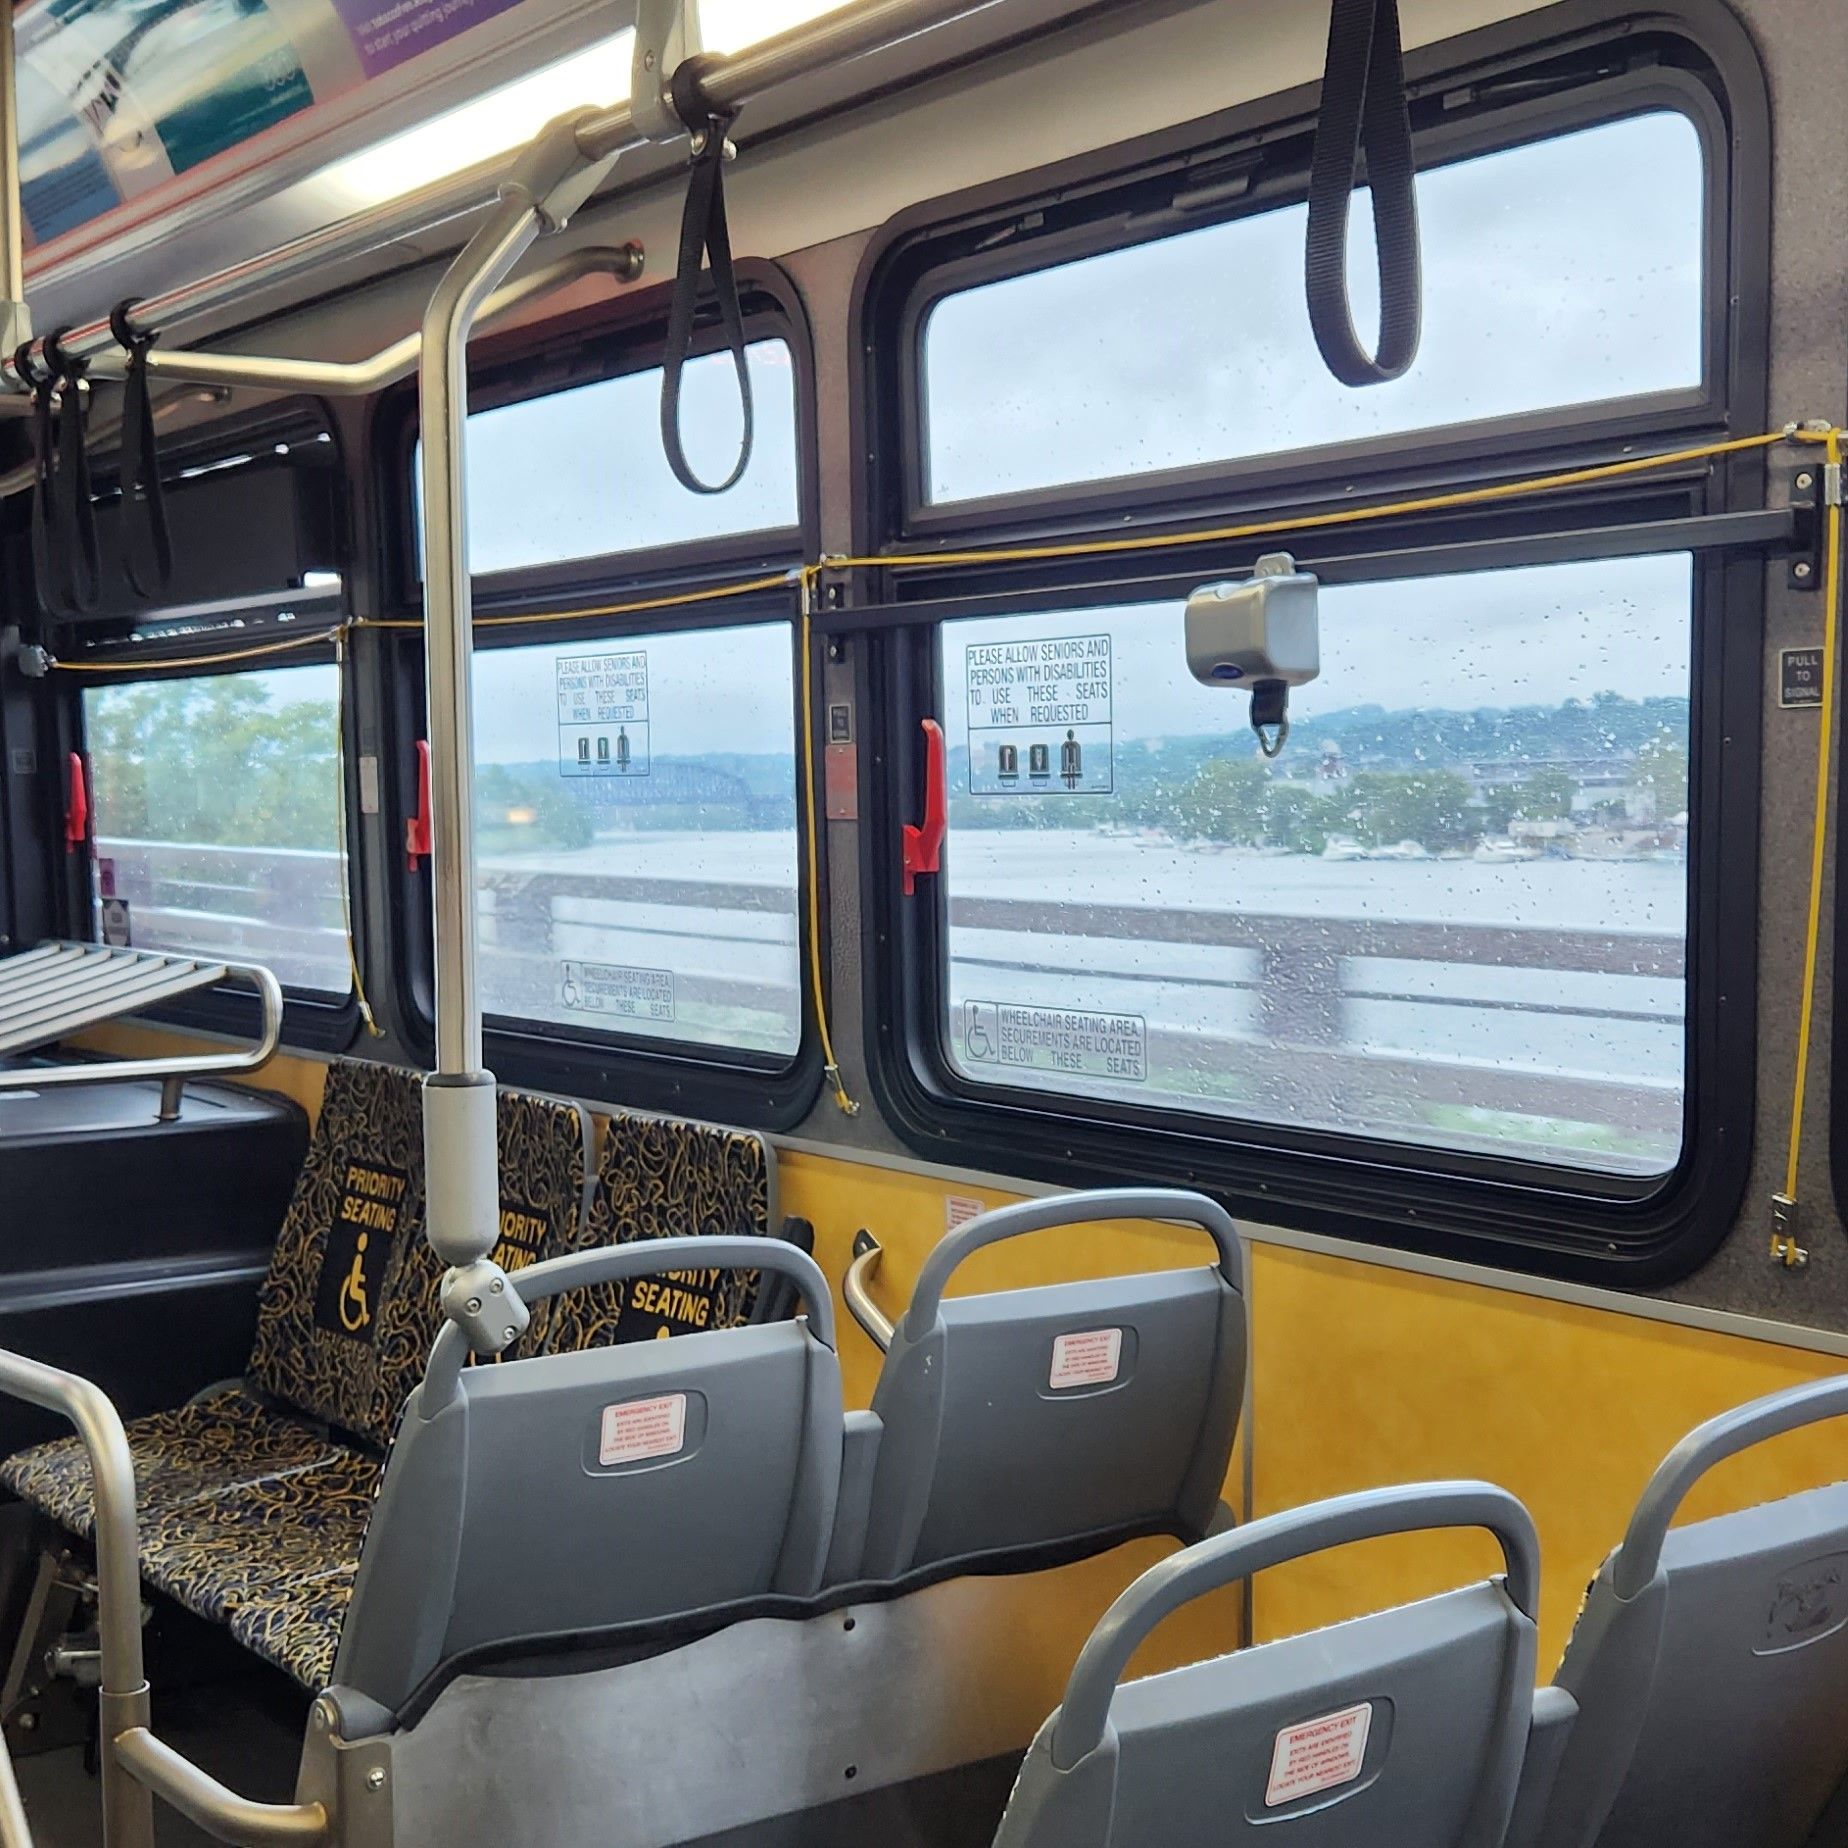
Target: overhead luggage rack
[[57, 989]]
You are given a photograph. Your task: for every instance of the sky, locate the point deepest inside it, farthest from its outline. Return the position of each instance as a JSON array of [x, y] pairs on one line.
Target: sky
[[1562, 272], [1534, 637], [1559, 273], [580, 473]]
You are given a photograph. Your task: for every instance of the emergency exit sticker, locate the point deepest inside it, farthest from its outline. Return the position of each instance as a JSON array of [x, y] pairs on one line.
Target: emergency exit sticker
[[1319, 1755], [641, 1430], [1040, 717], [1093, 1357], [603, 714]]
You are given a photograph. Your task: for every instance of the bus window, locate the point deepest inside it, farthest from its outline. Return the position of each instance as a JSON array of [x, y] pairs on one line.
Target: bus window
[[217, 818], [1453, 913], [581, 473], [1563, 272], [636, 838]]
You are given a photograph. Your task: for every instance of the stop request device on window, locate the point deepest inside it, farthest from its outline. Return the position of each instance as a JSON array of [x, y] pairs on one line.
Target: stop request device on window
[[1259, 635]]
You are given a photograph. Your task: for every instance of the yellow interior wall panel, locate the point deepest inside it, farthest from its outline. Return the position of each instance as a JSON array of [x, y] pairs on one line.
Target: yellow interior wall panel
[[1366, 1375], [1363, 1375]]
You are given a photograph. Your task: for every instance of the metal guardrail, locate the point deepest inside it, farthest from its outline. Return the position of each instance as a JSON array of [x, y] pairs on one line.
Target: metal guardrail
[[136, 1766], [57, 989]]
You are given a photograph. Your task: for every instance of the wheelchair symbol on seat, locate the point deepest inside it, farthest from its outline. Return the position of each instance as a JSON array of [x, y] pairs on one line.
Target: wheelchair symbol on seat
[[982, 1032], [353, 1291]]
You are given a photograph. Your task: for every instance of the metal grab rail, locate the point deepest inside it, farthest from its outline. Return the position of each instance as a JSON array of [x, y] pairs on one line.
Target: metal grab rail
[[103, 985], [856, 1293], [212, 1806], [358, 378], [135, 1765], [1275, 1540]]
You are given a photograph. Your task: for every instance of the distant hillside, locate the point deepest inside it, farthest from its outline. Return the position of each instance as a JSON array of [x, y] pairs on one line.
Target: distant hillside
[[1195, 782]]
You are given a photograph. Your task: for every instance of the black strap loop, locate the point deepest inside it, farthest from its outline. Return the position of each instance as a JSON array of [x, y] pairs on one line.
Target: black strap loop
[[705, 234], [1364, 108], [74, 555], [45, 573], [147, 539]]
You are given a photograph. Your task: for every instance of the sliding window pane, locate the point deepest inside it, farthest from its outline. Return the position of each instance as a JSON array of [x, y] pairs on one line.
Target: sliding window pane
[[1452, 914], [582, 474], [218, 818], [636, 837], [1565, 273]]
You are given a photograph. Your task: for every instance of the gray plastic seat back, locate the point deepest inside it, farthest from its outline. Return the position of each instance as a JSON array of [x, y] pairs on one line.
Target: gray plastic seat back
[[1710, 1664], [1060, 1415], [1407, 1726], [620, 1485]]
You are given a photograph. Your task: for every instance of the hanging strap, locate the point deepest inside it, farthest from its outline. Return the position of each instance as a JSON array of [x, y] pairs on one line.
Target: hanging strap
[[1364, 109], [74, 550], [147, 540], [45, 573], [704, 234]]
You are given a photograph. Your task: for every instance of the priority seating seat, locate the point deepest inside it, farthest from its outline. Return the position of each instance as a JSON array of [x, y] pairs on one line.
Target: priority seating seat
[[1408, 1725], [570, 1494], [261, 1493], [1710, 1662], [656, 1177], [667, 1177], [1053, 1420]]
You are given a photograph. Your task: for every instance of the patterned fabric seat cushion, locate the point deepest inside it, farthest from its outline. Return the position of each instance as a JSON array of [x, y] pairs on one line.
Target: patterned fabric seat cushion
[[252, 1514], [663, 1178], [220, 1552], [208, 1448], [296, 1627], [337, 1319]]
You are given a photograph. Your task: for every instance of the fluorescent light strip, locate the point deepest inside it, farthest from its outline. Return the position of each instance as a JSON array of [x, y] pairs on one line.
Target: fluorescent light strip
[[508, 117]]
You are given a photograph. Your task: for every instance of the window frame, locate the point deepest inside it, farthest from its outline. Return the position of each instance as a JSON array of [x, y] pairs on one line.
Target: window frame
[[312, 1019], [1514, 1214], [132, 643], [611, 340]]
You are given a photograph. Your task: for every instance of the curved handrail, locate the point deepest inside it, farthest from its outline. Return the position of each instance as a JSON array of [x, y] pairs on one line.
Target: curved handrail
[[1077, 1209], [856, 1293], [215, 1807], [136, 1765], [646, 1257], [1640, 1556], [1273, 1541], [177, 1069]]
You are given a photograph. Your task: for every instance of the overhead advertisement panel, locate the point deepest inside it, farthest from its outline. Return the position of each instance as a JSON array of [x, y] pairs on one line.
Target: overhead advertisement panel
[[119, 98]]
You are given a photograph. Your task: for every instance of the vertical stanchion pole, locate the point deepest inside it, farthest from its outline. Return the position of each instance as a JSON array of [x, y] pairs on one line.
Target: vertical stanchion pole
[[459, 1114]]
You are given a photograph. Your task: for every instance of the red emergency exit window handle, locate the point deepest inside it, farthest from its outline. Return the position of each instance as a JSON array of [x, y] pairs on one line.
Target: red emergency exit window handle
[[924, 844], [77, 805], [417, 846]]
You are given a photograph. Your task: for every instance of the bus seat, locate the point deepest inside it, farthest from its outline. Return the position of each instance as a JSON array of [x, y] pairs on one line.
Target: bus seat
[[243, 1493], [654, 1174], [604, 1488], [1710, 1662], [1059, 1418], [665, 1177], [1407, 1725]]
